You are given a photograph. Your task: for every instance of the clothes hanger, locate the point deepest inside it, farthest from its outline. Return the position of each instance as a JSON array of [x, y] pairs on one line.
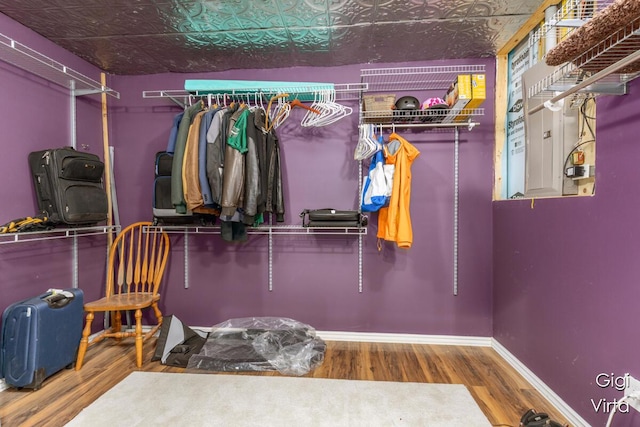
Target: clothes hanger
[[316, 105], [284, 108], [361, 146], [297, 103], [372, 141], [268, 126], [334, 111], [321, 105]]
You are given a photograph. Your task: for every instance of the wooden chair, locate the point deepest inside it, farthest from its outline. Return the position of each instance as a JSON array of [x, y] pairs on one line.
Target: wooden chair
[[137, 259]]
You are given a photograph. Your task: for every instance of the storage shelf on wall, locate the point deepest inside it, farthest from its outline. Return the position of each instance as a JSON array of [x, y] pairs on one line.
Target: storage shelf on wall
[[415, 78], [433, 78], [424, 118], [38, 64], [56, 233], [597, 71], [265, 229], [343, 92], [423, 79]]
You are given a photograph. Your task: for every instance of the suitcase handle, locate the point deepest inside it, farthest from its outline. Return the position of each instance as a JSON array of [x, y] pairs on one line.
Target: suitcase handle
[[58, 300]]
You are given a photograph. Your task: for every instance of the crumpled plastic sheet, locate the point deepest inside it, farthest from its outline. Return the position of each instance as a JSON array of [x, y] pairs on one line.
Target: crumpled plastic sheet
[[261, 344]]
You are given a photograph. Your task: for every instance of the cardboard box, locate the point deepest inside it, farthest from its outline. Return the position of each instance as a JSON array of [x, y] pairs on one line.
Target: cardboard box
[[478, 94], [458, 96]]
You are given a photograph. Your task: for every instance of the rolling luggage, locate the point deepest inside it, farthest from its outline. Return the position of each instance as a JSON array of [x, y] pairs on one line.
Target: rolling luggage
[[40, 336], [163, 209], [68, 186]]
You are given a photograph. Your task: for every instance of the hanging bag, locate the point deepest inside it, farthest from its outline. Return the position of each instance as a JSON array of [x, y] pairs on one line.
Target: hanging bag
[[377, 185]]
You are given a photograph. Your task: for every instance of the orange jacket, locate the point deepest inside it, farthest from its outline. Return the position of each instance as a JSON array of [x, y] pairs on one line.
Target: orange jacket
[[394, 221]]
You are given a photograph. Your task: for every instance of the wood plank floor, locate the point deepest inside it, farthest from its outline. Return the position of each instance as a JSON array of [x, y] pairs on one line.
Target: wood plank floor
[[501, 393]]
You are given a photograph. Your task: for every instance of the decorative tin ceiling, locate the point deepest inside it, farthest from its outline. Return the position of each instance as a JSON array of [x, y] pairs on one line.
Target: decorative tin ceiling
[[155, 36]]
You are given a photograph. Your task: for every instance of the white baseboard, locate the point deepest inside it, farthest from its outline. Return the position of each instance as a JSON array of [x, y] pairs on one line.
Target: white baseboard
[[3, 385], [404, 338], [571, 415]]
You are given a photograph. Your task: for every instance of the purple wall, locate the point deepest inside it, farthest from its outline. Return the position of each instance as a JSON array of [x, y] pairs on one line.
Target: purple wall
[[35, 115], [566, 272], [315, 279]]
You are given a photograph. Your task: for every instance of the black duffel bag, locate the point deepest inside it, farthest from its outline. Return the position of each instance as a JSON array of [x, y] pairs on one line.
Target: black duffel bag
[[332, 218]]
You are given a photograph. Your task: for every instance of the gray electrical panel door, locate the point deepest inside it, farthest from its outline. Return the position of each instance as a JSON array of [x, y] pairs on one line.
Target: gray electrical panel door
[[550, 137]]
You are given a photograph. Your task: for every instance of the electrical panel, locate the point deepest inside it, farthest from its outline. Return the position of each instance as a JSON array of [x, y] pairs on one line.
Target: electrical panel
[[550, 135]]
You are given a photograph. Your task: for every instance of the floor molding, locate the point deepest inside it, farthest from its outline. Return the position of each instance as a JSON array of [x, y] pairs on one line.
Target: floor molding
[[568, 412], [3, 385], [404, 338]]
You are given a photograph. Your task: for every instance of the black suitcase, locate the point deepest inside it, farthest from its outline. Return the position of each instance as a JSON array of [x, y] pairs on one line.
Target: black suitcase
[[163, 209], [332, 218], [40, 336], [68, 186]]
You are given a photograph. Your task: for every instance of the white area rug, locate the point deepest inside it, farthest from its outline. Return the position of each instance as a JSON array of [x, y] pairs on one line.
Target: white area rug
[[165, 399]]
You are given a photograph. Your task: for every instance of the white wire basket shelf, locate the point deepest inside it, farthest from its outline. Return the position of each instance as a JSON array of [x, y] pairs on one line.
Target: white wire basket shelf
[[421, 116], [264, 230], [343, 92], [601, 66], [415, 78], [23, 57], [56, 233]]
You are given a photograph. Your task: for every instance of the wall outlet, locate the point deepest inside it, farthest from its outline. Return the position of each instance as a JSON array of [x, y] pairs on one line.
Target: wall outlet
[[632, 385]]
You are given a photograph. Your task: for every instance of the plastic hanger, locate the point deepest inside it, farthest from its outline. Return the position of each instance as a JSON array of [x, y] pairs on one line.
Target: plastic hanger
[[282, 113], [333, 111], [297, 103], [309, 117], [361, 146], [274, 114], [324, 106]]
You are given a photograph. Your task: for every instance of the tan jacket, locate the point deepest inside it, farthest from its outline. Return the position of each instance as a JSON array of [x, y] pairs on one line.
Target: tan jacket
[[190, 176]]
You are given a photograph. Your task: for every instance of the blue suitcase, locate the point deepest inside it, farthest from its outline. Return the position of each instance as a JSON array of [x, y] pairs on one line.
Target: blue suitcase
[[40, 336]]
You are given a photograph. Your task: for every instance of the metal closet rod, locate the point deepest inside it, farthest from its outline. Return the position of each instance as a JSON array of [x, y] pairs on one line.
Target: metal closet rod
[[470, 125], [588, 81]]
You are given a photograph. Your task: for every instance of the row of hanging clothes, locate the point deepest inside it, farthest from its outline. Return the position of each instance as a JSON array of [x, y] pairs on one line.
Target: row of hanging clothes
[[227, 156], [386, 188], [227, 164]]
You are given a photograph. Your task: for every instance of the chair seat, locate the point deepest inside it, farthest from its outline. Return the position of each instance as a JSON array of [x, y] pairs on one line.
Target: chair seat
[[122, 302]]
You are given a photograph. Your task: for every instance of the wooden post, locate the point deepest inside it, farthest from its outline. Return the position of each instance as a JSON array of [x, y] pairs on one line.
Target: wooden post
[[107, 158]]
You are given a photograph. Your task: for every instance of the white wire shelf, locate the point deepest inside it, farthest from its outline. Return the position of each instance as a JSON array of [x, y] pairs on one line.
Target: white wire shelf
[[602, 67], [264, 230], [567, 76], [343, 92], [415, 78], [36, 63], [570, 16], [56, 233], [420, 116], [613, 49]]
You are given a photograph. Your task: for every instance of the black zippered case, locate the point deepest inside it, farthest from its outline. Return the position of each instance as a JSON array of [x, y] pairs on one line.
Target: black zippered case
[[332, 218], [68, 186], [163, 210]]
